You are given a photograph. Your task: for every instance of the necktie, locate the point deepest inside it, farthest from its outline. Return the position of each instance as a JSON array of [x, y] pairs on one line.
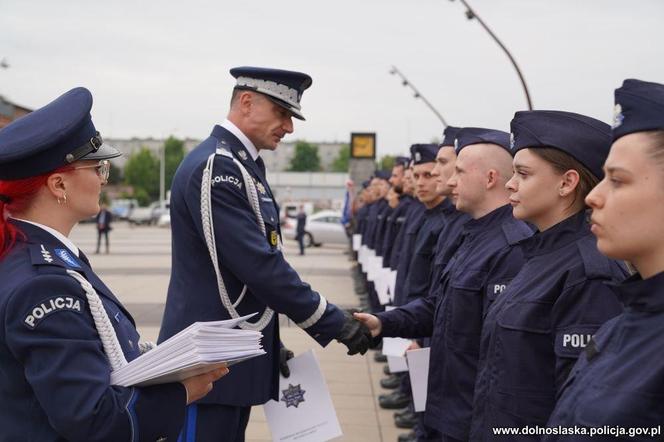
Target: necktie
[[261, 165]]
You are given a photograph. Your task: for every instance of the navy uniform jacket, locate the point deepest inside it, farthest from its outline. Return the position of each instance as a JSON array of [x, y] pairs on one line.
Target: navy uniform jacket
[[393, 226], [535, 331], [619, 379], [372, 221], [449, 240], [402, 222], [246, 256], [381, 225], [487, 258], [54, 374], [419, 275], [414, 221], [361, 218]]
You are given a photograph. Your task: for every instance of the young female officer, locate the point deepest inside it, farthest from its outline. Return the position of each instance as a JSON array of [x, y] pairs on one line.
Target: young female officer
[[540, 323], [618, 384], [61, 329]]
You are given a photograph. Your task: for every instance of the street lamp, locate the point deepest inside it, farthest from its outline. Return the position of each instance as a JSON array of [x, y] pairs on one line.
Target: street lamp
[[416, 93], [471, 14]]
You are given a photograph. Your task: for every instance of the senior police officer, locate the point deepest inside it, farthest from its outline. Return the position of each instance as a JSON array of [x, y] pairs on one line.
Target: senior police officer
[[616, 387], [58, 343], [227, 259], [486, 258]]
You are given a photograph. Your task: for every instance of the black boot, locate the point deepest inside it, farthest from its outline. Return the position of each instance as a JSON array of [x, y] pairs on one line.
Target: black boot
[[394, 400], [406, 421], [391, 382], [408, 437]]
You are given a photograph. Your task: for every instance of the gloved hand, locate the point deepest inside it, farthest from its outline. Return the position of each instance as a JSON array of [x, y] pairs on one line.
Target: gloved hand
[[354, 334], [284, 355]]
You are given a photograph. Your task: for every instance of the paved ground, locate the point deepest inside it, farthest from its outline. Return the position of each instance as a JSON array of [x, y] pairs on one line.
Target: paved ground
[[138, 268]]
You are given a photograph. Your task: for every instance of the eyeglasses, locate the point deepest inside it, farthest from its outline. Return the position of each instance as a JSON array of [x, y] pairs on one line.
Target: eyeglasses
[[103, 168]]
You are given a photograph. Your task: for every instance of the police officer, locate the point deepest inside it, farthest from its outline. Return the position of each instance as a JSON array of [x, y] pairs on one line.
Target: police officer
[[62, 330], [448, 239], [617, 383], [541, 321], [227, 259], [403, 201], [486, 258]]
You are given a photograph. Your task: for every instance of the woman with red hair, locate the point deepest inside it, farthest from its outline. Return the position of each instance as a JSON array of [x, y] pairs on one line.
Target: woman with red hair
[[62, 331]]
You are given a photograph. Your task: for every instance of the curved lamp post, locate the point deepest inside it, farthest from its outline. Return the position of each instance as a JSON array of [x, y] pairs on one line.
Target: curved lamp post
[[417, 94], [470, 14]]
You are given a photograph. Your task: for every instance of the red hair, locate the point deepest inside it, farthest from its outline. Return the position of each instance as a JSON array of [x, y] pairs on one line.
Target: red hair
[[20, 193]]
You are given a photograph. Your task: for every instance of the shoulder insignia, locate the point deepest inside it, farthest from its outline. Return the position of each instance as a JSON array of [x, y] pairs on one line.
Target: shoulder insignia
[[67, 258], [243, 155], [46, 254], [49, 306]]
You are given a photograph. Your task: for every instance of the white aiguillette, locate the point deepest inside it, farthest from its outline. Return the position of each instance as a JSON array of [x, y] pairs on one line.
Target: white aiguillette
[[194, 350]]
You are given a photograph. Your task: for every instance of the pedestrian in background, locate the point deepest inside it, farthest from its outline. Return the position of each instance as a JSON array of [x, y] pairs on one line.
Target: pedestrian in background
[[103, 219], [299, 229]]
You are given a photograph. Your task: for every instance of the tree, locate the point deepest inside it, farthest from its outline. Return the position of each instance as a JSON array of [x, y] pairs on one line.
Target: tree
[[174, 152], [305, 159], [142, 173], [342, 162], [114, 175], [386, 162]]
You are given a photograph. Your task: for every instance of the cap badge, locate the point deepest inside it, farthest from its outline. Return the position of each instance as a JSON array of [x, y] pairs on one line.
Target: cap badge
[[418, 157], [512, 144], [618, 116], [456, 144]]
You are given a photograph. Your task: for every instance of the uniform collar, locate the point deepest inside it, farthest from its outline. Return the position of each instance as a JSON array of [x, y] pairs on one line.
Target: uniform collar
[[565, 232], [246, 142], [491, 219], [59, 236], [642, 294], [438, 208]]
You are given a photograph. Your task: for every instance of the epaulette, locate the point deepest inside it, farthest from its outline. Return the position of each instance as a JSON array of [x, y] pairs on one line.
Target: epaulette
[[515, 230], [224, 152], [595, 264], [60, 257]]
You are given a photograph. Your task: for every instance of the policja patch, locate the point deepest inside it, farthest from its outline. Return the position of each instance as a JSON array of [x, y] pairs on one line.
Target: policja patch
[[50, 306]]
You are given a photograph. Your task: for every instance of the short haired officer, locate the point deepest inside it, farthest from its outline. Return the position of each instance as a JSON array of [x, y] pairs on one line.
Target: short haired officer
[[62, 331], [395, 219], [544, 318], [227, 259], [618, 382], [486, 258]]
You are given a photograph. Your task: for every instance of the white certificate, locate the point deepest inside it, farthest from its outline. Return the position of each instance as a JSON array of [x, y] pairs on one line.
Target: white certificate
[[357, 241], [392, 282], [395, 346], [418, 366], [304, 412], [397, 364]]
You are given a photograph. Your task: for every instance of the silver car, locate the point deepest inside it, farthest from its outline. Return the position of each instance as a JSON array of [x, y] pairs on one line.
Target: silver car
[[323, 227]]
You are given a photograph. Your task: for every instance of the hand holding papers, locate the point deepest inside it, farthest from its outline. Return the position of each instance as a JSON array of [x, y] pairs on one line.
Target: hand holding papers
[[304, 411], [195, 350]]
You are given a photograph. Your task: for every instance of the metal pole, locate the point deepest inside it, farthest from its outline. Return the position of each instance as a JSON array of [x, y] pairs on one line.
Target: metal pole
[[417, 94], [471, 14]]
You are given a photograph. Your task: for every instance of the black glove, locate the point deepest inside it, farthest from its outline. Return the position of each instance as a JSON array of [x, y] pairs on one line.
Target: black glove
[[354, 335], [284, 355]]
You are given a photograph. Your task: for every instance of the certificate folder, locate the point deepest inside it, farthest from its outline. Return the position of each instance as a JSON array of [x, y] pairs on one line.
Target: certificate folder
[[195, 350]]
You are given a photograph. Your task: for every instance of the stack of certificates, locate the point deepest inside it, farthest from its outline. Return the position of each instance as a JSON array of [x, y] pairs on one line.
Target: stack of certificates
[[194, 350]]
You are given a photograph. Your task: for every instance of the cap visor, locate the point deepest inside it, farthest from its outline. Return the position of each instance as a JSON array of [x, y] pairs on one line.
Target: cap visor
[[296, 113], [105, 152]]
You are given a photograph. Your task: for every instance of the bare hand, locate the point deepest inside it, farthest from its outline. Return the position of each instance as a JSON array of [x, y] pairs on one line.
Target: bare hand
[[370, 321], [413, 346], [200, 385]]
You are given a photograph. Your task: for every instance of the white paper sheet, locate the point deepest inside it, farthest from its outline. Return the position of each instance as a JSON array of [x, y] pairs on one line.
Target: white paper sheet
[[397, 364], [357, 241], [381, 287], [391, 283], [418, 367], [395, 346], [304, 412]]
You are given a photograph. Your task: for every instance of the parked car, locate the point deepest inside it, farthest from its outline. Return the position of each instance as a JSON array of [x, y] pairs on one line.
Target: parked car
[[122, 207], [323, 227], [164, 220], [148, 215]]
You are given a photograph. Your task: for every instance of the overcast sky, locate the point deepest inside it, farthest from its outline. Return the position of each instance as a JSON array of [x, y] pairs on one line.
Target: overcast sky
[[161, 67]]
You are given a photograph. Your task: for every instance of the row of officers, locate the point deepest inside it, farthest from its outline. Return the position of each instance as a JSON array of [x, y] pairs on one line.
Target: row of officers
[[532, 265]]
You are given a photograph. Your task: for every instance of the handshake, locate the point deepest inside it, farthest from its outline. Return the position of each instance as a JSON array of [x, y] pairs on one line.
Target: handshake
[[358, 331]]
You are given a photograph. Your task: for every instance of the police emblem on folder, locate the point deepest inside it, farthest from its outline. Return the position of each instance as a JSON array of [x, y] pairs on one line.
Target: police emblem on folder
[[293, 395]]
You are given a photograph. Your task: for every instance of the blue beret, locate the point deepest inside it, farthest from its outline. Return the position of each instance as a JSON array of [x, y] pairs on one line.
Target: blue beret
[[51, 137], [382, 175], [401, 161], [365, 184], [478, 135], [283, 87], [449, 135], [585, 139], [423, 153], [639, 107]]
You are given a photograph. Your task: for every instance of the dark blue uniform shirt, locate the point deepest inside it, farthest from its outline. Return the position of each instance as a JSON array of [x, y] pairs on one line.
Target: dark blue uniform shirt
[[54, 374], [449, 240], [246, 257], [536, 329], [413, 223], [486, 258], [393, 225], [619, 379], [381, 226]]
